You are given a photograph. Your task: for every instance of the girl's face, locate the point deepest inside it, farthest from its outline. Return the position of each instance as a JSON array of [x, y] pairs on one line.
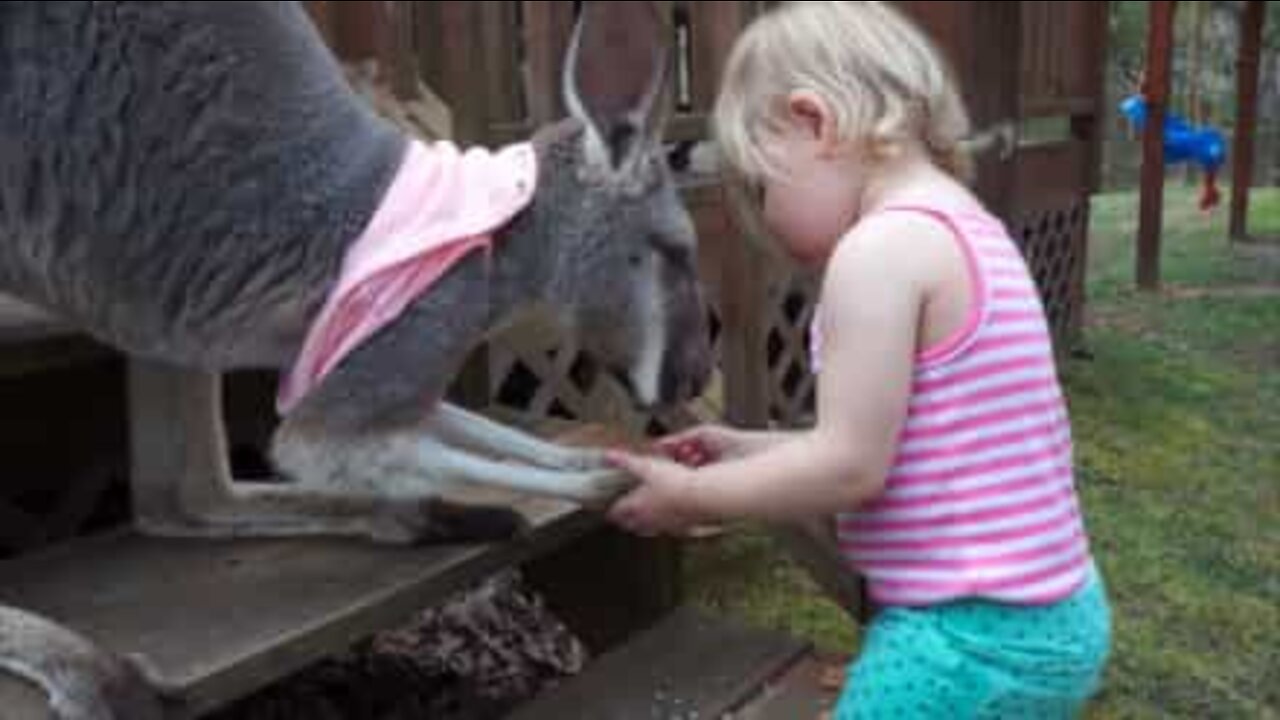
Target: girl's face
[[815, 200]]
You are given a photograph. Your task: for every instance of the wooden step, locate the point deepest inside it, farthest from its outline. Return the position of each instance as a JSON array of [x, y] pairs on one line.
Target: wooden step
[[219, 619], [689, 666], [808, 690]]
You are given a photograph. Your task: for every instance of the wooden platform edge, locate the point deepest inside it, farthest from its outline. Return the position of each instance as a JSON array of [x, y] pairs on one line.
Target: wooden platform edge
[[310, 644], [659, 674], [446, 571]]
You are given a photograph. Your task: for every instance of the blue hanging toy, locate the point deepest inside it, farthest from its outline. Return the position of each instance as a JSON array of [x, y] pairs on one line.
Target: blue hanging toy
[[1184, 142]]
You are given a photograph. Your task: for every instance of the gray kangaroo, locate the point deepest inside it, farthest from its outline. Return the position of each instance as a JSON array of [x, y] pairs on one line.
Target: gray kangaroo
[[181, 180]]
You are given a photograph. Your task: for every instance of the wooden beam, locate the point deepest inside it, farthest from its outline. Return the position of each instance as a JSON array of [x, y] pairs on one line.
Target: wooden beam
[[1246, 116], [547, 26], [352, 23], [1088, 127], [321, 16], [690, 665], [1156, 89], [458, 63], [277, 605], [393, 47], [714, 28]]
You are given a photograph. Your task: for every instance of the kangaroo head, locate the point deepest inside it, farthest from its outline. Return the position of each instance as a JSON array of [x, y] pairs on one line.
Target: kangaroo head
[[623, 251]]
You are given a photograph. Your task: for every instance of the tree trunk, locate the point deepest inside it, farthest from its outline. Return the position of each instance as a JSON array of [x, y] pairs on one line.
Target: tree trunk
[[1195, 108]]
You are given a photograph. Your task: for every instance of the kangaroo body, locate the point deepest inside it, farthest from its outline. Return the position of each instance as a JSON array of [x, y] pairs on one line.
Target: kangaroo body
[[182, 180]]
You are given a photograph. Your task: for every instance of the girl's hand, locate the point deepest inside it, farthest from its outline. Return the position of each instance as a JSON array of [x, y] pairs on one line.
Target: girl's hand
[[704, 445], [661, 504]]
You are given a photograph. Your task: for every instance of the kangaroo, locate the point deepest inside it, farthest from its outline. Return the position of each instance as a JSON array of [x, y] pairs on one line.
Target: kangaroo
[[183, 180]]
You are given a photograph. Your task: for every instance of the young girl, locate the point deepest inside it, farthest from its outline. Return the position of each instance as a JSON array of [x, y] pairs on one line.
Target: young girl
[[942, 444]]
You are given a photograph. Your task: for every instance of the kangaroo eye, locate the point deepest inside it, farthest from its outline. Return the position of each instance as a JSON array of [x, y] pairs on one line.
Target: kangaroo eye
[[677, 255], [634, 260]]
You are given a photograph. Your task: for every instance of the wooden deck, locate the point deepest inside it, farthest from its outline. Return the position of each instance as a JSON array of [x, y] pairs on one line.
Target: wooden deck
[[219, 619]]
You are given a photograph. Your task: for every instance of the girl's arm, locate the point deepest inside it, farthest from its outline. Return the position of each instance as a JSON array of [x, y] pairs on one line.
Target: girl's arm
[[872, 301], [713, 443]]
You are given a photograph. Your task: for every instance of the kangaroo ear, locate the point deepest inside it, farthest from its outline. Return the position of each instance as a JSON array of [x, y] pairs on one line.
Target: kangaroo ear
[[614, 80]]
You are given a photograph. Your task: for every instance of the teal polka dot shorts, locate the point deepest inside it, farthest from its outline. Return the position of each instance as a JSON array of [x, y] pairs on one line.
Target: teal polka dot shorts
[[980, 659]]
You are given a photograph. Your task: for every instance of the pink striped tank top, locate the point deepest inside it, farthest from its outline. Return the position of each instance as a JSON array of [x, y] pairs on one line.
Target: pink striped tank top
[[980, 500]]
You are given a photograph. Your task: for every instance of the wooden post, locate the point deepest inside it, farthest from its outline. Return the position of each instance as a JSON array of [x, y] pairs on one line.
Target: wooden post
[[320, 15], [548, 26], [994, 82], [978, 39], [393, 47], [352, 24], [1090, 129], [455, 64], [497, 33], [742, 266], [1194, 102], [1246, 116], [744, 326], [1159, 44], [714, 28]]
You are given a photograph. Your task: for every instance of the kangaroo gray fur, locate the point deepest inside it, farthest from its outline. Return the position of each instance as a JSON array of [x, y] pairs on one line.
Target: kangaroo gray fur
[[181, 180]]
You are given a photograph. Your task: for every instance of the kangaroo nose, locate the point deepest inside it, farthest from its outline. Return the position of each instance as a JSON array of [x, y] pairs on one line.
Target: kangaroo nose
[[700, 376], [691, 374]]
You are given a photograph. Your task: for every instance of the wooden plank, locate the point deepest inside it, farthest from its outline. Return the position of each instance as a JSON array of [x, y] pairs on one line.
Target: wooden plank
[[1051, 106], [714, 27], [1151, 204], [427, 44], [807, 691], [1089, 128], [353, 25], [690, 665], [685, 126], [1037, 35], [1058, 58], [1246, 115], [548, 25], [1051, 174], [498, 32], [744, 329], [1087, 125], [458, 64], [978, 39], [392, 28], [320, 14], [712, 30], [219, 619], [993, 32]]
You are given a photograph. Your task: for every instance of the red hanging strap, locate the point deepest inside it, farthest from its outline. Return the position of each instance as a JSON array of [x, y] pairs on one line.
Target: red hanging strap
[[1209, 195]]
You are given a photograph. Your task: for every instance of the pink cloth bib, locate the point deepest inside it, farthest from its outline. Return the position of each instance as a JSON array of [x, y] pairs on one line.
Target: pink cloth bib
[[442, 205]]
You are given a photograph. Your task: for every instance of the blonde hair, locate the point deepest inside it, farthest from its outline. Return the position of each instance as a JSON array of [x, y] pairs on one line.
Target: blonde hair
[[885, 82]]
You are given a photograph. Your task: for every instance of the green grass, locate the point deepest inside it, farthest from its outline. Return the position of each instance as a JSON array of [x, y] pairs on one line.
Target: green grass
[[1176, 411], [743, 573], [1195, 252]]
